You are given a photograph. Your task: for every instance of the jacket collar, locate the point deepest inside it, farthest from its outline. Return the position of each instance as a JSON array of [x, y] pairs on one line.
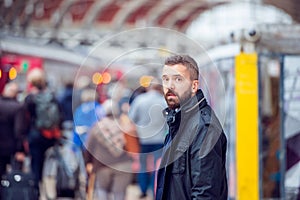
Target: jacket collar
[[194, 104]]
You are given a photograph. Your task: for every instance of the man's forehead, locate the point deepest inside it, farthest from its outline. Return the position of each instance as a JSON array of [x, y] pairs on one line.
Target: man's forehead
[[177, 69]]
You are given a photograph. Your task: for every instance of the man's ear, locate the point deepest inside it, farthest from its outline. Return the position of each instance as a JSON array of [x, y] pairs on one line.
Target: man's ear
[[195, 85]]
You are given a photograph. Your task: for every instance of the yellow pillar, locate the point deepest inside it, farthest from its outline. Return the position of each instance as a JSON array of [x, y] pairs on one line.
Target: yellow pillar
[[247, 146]]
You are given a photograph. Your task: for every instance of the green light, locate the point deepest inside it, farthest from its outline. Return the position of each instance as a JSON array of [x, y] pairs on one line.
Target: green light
[[25, 66]]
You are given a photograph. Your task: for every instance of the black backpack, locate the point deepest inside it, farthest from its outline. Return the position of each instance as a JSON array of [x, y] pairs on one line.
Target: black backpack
[[47, 111]]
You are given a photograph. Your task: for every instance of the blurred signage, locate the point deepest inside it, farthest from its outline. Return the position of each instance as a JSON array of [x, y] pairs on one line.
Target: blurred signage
[[22, 63], [13, 65]]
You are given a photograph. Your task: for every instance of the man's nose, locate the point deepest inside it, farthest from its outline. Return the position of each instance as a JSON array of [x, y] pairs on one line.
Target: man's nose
[[171, 84]]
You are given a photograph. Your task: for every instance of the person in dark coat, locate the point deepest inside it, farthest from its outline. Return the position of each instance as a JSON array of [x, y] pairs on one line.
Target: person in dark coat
[[12, 127], [38, 139], [65, 101], [194, 154]]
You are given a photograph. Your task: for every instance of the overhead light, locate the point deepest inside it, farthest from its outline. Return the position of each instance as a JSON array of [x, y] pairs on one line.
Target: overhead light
[[145, 81], [12, 74]]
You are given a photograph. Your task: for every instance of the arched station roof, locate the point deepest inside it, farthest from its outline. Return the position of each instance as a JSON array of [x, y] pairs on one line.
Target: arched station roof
[[72, 23], [115, 14]]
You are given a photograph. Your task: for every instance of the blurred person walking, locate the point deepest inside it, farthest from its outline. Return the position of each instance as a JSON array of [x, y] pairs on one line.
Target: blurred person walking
[[194, 156], [45, 120], [146, 112], [69, 99], [132, 145], [105, 156], [65, 101], [64, 172], [12, 128], [86, 115]]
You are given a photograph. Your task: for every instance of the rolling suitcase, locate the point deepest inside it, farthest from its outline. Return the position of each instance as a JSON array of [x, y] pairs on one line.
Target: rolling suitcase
[[18, 185]]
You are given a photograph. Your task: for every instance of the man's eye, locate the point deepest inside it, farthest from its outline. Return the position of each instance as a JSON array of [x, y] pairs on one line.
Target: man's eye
[[178, 79], [165, 79]]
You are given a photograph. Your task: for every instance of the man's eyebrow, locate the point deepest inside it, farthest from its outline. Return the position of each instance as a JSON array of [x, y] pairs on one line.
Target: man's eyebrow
[[164, 75]]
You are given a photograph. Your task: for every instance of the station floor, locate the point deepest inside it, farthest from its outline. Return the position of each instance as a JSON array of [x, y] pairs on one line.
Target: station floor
[[133, 193]]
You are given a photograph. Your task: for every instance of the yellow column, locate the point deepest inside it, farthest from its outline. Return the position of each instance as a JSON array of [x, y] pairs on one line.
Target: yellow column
[[247, 146]]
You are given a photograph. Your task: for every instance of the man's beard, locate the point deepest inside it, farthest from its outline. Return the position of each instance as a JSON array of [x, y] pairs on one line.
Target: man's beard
[[173, 104], [187, 95]]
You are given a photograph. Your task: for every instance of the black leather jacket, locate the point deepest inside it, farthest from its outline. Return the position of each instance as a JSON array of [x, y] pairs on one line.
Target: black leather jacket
[[193, 162]]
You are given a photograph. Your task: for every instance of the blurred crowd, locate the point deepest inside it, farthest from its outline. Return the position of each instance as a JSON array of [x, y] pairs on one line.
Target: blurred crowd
[[78, 146]]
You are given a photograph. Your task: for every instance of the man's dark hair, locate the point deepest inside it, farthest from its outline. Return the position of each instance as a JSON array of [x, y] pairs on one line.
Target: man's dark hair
[[187, 61]]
